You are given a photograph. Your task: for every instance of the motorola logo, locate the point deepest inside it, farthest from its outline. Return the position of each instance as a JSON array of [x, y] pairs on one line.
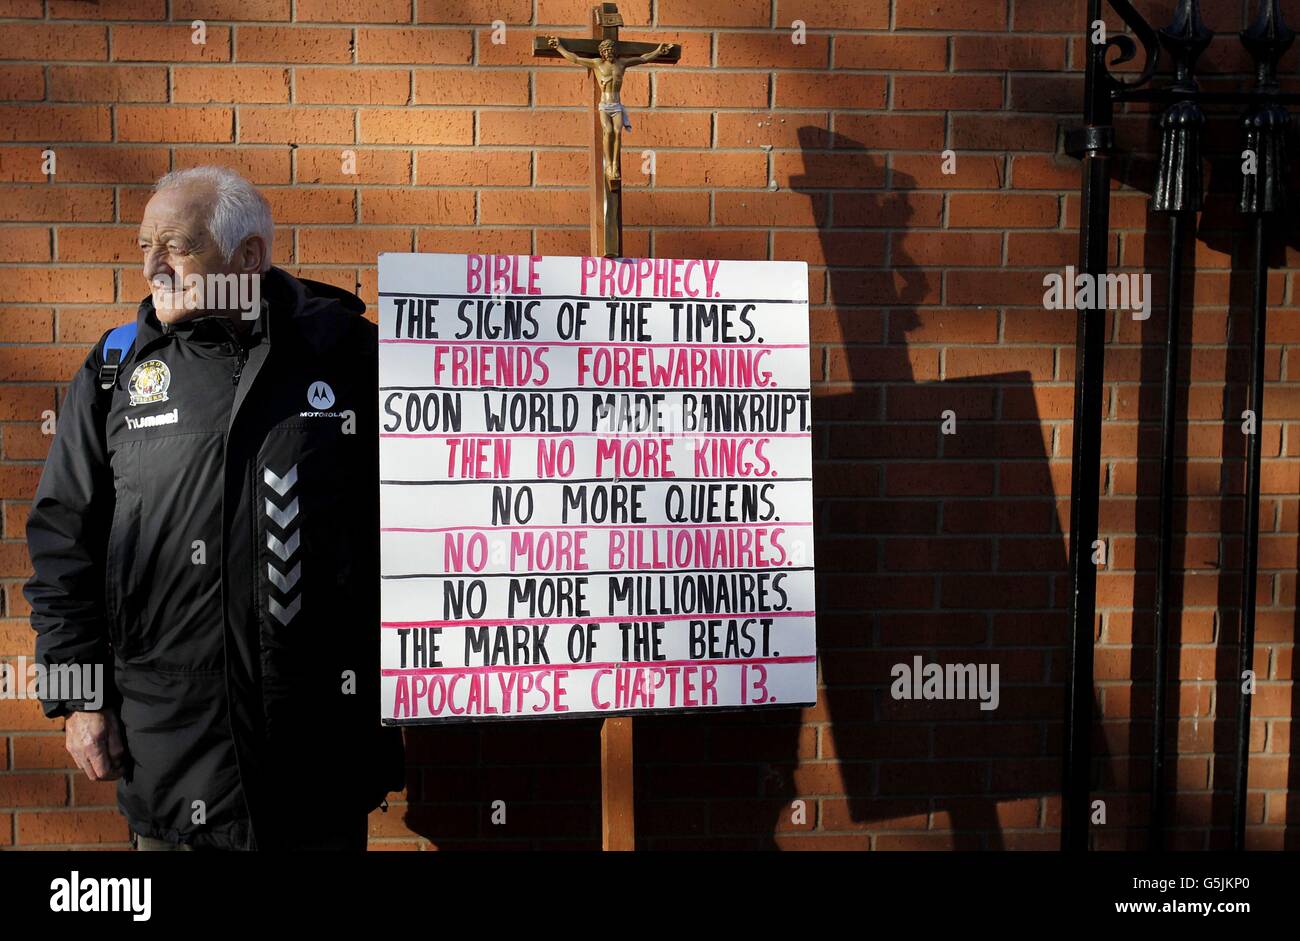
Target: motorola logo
[[320, 396]]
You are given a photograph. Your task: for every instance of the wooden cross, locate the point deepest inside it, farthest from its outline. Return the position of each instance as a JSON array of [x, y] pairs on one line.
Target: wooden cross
[[618, 819], [608, 116]]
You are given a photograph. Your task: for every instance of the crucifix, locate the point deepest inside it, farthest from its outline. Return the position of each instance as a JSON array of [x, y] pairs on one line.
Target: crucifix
[[607, 58]]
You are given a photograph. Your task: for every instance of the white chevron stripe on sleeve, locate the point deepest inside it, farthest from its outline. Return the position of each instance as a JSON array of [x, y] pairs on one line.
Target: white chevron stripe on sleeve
[[284, 613], [284, 582], [283, 549], [282, 518], [281, 485]]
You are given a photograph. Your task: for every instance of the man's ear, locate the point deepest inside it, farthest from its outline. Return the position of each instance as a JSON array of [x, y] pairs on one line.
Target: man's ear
[[251, 257]]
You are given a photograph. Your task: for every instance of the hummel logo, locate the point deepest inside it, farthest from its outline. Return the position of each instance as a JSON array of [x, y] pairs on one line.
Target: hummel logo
[[153, 421]]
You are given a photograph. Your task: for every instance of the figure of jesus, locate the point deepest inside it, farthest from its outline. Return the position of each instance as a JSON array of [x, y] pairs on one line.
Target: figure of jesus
[[608, 72]]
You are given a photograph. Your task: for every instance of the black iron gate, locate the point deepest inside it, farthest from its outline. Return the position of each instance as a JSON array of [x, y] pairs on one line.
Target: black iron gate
[[1177, 194]]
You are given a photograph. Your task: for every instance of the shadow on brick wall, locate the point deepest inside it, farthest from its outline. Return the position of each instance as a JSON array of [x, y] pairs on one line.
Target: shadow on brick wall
[[964, 562], [943, 547]]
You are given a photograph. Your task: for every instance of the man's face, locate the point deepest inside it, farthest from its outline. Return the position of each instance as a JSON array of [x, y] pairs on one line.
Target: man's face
[[606, 51], [176, 244]]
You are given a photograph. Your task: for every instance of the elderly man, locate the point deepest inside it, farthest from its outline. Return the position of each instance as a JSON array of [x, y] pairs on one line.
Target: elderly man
[[206, 530]]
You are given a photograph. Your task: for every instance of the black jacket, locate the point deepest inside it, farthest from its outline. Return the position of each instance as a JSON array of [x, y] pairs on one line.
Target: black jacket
[[220, 559]]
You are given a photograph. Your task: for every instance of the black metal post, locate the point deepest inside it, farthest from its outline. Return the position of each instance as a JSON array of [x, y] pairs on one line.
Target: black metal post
[[1262, 194], [1093, 143], [1177, 193], [1168, 459], [1250, 531]]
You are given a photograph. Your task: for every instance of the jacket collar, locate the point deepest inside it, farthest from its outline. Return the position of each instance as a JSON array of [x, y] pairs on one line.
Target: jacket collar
[[293, 309], [316, 315], [220, 328]]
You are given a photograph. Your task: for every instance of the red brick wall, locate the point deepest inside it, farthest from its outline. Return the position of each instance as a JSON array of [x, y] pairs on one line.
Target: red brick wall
[[926, 294]]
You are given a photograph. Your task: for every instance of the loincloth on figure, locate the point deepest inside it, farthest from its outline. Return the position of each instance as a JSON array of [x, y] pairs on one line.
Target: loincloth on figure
[[616, 107]]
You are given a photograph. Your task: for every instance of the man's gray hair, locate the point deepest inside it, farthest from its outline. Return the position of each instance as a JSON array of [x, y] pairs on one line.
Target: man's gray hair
[[238, 211]]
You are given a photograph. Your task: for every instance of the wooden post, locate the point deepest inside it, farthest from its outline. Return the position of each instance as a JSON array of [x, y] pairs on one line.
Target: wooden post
[[617, 801], [618, 808], [617, 793]]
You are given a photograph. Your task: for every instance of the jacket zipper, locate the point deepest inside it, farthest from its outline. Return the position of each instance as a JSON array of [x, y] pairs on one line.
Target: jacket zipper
[[241, 356]]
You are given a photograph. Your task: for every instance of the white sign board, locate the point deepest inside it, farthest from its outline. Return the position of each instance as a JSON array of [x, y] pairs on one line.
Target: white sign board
[[596, 486]]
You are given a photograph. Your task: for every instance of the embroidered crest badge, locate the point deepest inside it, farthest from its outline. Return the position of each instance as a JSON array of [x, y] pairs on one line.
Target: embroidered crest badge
[[149, 382]]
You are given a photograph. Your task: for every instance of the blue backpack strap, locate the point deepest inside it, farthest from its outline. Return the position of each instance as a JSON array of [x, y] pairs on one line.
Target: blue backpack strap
[[116, 345]]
